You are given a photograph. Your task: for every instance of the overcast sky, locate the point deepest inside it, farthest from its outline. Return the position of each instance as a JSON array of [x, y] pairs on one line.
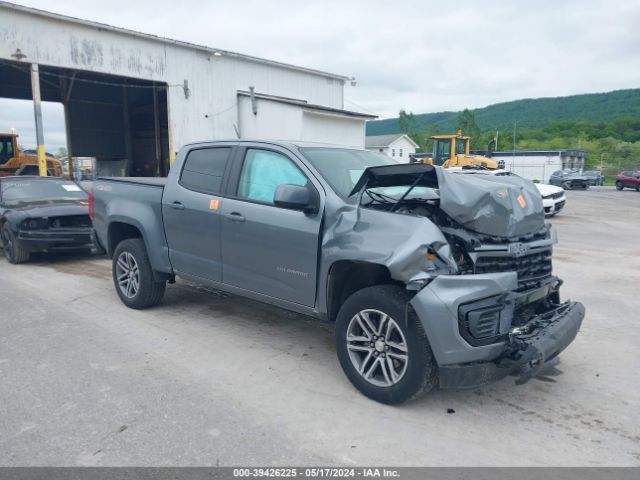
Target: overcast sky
[[423, 56]]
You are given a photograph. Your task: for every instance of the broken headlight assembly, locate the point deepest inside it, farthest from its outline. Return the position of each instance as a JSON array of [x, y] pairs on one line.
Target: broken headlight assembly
[[35, 224]]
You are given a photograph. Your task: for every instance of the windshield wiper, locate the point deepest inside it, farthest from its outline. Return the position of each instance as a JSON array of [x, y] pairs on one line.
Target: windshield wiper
[[382, 198], [413, 185]]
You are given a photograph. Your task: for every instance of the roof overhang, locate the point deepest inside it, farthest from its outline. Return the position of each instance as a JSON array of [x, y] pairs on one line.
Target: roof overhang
[[312, 108]]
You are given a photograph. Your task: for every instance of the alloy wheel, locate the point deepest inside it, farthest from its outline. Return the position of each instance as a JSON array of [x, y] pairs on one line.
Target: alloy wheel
[[7, 244], [377, 348], [128, 274]]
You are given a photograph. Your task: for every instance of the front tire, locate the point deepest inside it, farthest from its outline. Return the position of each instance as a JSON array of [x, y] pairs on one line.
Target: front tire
[[133, 276], [382, 347], [566, 186], [13, 251], [619, 186]]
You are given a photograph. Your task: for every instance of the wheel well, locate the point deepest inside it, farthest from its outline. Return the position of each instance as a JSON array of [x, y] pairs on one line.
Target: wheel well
[[118, 232], [347, 277]]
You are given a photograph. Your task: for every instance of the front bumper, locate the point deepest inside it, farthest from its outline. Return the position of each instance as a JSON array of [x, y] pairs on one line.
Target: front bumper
[[55, 240], [525, 354], [523, 350], [553, 205]]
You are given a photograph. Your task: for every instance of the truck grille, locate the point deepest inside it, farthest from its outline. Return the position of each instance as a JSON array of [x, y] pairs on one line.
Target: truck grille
[[70, 221], [534, 266]]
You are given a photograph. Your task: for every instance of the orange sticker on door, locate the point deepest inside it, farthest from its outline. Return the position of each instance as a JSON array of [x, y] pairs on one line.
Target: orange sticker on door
[[213, 204], [521, 201]]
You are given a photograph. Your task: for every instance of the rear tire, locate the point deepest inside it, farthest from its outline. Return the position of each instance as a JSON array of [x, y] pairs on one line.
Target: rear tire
[[133, 276], [619, 186], [13, 251], [378, 346]]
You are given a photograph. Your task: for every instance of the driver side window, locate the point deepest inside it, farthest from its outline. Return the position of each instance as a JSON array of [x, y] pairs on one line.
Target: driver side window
[[263, 171]]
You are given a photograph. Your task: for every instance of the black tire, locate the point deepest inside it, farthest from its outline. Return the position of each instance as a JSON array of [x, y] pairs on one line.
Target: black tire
[[148, 292], [619, 186], [13, 251], [420, 373], [566, 186]]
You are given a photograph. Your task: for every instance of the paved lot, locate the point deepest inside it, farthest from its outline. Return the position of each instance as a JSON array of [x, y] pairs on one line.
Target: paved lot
[[207, 378]]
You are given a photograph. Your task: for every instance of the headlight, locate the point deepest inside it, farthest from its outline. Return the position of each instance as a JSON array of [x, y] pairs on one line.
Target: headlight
[[35, 224]]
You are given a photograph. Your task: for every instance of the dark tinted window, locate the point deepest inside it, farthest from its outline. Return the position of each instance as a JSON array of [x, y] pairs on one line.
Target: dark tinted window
[[203, 169]]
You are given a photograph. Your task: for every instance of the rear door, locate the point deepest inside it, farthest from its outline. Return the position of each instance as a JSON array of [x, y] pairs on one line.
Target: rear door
[[191, 212], [267, 249]]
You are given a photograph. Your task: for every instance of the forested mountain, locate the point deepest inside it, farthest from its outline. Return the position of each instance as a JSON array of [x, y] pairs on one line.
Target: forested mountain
[[530, 113]]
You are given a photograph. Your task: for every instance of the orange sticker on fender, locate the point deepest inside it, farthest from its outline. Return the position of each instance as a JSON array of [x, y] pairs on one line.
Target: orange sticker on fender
[[521, 201], [213, 204]]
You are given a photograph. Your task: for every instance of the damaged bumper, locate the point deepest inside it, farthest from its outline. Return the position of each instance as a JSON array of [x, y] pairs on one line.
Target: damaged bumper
[[59, 240], [475, 328]]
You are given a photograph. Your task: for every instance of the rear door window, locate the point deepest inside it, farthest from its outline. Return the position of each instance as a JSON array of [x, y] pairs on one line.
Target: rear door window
[[204, 169]]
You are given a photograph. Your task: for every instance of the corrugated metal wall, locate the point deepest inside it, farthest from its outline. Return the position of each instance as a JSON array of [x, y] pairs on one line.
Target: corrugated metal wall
[[210, 112]]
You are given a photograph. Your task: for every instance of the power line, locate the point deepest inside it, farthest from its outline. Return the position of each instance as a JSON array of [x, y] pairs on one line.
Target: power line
[[360, 106]]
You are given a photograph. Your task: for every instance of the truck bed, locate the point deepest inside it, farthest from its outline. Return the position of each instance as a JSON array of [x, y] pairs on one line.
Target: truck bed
[[148, 181], [136, 201]]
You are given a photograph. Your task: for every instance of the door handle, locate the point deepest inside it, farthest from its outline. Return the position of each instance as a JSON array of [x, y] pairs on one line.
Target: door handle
[[177, 205], [235, 217]]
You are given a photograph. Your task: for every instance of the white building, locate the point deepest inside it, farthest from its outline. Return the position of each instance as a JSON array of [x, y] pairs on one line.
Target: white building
[[133, 99], [398, 146], [539, 165]]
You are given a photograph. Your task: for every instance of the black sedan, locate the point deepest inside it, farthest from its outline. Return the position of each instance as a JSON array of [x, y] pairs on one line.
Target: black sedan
[[594, 177], [42, 214], [569, 180]]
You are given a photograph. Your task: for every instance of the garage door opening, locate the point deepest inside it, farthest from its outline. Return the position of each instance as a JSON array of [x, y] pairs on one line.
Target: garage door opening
[[122, 122]]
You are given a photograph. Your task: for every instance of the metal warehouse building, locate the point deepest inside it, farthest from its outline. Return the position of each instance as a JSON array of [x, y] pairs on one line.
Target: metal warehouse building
[[538, 165], [131, 100]]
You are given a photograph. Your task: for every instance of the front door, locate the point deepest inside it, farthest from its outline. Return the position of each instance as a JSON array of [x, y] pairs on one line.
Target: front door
[[267, 249]]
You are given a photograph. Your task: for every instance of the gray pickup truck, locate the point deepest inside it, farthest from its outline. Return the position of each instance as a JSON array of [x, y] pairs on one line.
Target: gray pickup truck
[[432, 279]]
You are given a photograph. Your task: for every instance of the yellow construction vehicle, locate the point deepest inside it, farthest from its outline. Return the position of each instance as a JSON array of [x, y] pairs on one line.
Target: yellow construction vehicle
[[453, 151], [14, 161]]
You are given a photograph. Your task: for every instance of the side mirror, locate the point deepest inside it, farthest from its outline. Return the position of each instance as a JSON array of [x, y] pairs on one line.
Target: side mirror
[[295, 197]]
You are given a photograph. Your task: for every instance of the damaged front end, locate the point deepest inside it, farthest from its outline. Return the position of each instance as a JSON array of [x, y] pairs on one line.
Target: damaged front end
[[482, 265]]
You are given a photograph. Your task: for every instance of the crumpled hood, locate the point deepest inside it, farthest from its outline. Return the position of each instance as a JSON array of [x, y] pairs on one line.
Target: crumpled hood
[[505, 206]]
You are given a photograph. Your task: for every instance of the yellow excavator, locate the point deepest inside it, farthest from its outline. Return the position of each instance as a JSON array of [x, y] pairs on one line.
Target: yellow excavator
[[453, 151], [14, 161]]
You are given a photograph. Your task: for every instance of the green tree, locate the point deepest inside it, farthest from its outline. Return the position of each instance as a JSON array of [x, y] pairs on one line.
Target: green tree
[[61, 153], [467, 123], [407, 122]]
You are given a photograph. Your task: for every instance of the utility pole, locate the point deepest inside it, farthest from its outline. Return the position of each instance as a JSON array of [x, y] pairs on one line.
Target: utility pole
[[513, 159], [37, 110]]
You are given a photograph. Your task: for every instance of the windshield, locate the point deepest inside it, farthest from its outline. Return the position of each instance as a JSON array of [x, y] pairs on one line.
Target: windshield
[[341, 167], [461, 146], [6, 149], [441, 150], [26, 190]]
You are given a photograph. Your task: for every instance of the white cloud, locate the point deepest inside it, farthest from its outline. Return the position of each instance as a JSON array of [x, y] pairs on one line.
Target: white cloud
[[422, 56]]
